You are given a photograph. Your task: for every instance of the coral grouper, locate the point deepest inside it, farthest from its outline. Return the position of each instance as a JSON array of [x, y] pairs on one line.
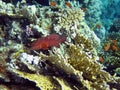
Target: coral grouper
[[45, 43]]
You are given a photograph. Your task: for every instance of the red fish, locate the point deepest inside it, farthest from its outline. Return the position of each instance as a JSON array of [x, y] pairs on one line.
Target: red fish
[[53, 3], [45, 43], [101, 59], [107, 47], [68, 4]]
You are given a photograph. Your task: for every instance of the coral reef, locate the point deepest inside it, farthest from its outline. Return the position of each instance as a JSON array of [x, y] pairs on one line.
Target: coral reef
[[70, 22], [66, 18], [111, 55], [71, 62], [115, 26], [110, 8], [94, 11]]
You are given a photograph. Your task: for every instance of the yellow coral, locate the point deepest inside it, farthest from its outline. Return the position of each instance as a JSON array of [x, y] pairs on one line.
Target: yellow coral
[[42, 81]]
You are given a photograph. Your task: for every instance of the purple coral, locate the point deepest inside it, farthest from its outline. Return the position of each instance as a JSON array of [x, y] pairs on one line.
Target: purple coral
[[29, 31]]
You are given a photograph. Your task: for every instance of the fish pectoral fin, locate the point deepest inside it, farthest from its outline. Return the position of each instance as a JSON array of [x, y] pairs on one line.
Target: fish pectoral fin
[[45, 46]]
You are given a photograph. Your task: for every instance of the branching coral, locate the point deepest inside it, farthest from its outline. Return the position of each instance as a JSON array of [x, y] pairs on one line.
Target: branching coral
[[111, 53], [77, 62], [86, 63], [68, 18], [70, 22], [86, 45]]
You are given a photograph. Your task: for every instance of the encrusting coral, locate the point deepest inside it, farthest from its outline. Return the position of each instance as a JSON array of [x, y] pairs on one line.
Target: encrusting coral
[[43, 82]]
